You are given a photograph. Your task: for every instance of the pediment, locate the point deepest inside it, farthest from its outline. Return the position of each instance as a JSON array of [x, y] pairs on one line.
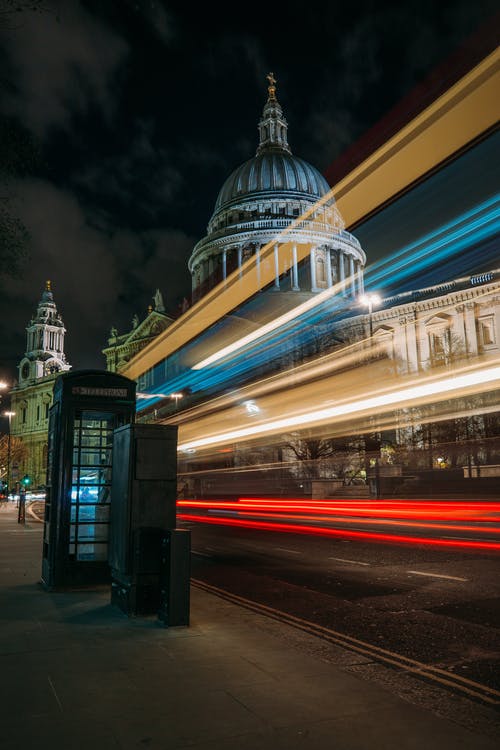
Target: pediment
[[438, 321], [150, 327]]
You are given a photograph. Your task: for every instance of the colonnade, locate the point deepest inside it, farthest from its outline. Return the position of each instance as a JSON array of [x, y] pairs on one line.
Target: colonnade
[[46, 339], [327, 266]]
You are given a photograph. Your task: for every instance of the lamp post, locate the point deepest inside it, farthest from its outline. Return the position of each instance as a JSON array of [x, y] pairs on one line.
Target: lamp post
[[370, 301], [8, 414]]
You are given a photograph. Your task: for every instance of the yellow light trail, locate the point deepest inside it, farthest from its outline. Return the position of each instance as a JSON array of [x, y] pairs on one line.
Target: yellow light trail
[[437, 387], [273, 325]]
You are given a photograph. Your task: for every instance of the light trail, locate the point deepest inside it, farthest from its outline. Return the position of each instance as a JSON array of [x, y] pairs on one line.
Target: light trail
[[456, 511], [344, 533], [319, 519], [290, 515], [434, 389], [477, 224], [273, 325]]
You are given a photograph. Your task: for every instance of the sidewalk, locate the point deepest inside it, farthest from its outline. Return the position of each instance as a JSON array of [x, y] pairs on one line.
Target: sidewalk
[[77, 674]]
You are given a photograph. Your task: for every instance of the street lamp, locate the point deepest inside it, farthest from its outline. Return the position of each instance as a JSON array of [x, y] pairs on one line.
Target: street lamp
[[370, 301], [8, 414], [175, 397]]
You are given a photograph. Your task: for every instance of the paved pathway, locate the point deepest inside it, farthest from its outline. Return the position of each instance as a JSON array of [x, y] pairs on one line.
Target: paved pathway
[[77, 674]]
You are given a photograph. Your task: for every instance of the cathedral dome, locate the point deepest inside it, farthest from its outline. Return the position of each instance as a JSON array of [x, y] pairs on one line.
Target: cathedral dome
[[272, 171], [270, 196]]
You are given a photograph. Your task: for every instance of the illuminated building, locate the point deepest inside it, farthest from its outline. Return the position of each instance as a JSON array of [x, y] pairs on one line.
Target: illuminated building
[[123, 347], [265, 195], [31, 398], [425, 203]]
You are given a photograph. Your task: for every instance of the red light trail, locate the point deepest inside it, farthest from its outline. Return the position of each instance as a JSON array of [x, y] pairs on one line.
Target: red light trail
[[417, 515]]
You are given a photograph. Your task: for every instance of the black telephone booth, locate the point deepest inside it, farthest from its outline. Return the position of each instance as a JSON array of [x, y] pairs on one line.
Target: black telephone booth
[[88, 405]]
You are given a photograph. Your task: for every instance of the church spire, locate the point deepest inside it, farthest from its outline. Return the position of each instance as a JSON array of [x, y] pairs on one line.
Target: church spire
[[44, 341], [273, 126]]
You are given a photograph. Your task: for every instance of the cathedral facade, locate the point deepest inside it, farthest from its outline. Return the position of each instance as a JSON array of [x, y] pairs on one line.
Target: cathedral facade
[[276, 244]]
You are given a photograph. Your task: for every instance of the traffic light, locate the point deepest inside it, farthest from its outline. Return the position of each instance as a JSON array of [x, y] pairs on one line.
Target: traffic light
[[26, 481]]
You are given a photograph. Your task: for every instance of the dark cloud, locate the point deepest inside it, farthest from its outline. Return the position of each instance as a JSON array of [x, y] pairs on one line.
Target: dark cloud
[[142, 179], [142, 109], [100, 276], [61, 65]]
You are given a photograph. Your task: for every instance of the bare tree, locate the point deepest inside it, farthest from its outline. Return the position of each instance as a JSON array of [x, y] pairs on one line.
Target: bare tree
[[325, 457]]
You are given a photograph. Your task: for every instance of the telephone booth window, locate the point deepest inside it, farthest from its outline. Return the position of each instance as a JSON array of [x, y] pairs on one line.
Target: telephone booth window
[[91, 485]]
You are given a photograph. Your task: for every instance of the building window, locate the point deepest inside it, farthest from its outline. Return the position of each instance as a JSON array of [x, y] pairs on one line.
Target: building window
[[23, 414], [487, 333], [440, 345], [47, 407], [38, 413]]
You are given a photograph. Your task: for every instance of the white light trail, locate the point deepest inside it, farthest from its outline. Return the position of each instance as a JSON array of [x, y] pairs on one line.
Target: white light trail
[[273, 325], [393, 398]]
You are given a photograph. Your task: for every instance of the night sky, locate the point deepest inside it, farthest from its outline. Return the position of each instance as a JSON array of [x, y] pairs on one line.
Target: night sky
[[138, 111]]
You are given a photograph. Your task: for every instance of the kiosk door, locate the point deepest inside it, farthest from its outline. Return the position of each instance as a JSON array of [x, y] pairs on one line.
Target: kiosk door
[[91, 485]]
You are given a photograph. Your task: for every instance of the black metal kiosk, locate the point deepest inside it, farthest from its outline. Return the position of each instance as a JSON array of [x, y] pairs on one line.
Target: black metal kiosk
[[149, 557], [88, 406]]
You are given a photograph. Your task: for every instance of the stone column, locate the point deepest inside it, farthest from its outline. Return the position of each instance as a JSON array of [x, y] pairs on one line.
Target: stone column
[[411, 344], [312, 263], [400, 350], [276, 267], [352, 276], [328, 268], [341, 272], [240, 256], [295, 270], [224, 261], [470, 328], [423, 339], [257, 264]]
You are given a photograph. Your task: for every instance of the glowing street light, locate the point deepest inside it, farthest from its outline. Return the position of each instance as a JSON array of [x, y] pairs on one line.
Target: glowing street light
[[8, 414], [176, 397], [370, 301]]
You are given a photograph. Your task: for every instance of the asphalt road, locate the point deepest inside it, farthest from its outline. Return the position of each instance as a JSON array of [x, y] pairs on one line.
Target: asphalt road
[[438, 606]]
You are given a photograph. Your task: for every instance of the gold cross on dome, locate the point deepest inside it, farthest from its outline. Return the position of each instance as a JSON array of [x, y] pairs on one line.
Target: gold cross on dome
[[271, 88]]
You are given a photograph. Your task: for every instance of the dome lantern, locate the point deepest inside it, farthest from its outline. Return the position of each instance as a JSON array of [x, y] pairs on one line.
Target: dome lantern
[[273, 127]]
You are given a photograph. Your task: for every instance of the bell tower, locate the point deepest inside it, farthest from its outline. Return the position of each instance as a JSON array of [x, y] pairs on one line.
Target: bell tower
[[44, 342], [43, 361]]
